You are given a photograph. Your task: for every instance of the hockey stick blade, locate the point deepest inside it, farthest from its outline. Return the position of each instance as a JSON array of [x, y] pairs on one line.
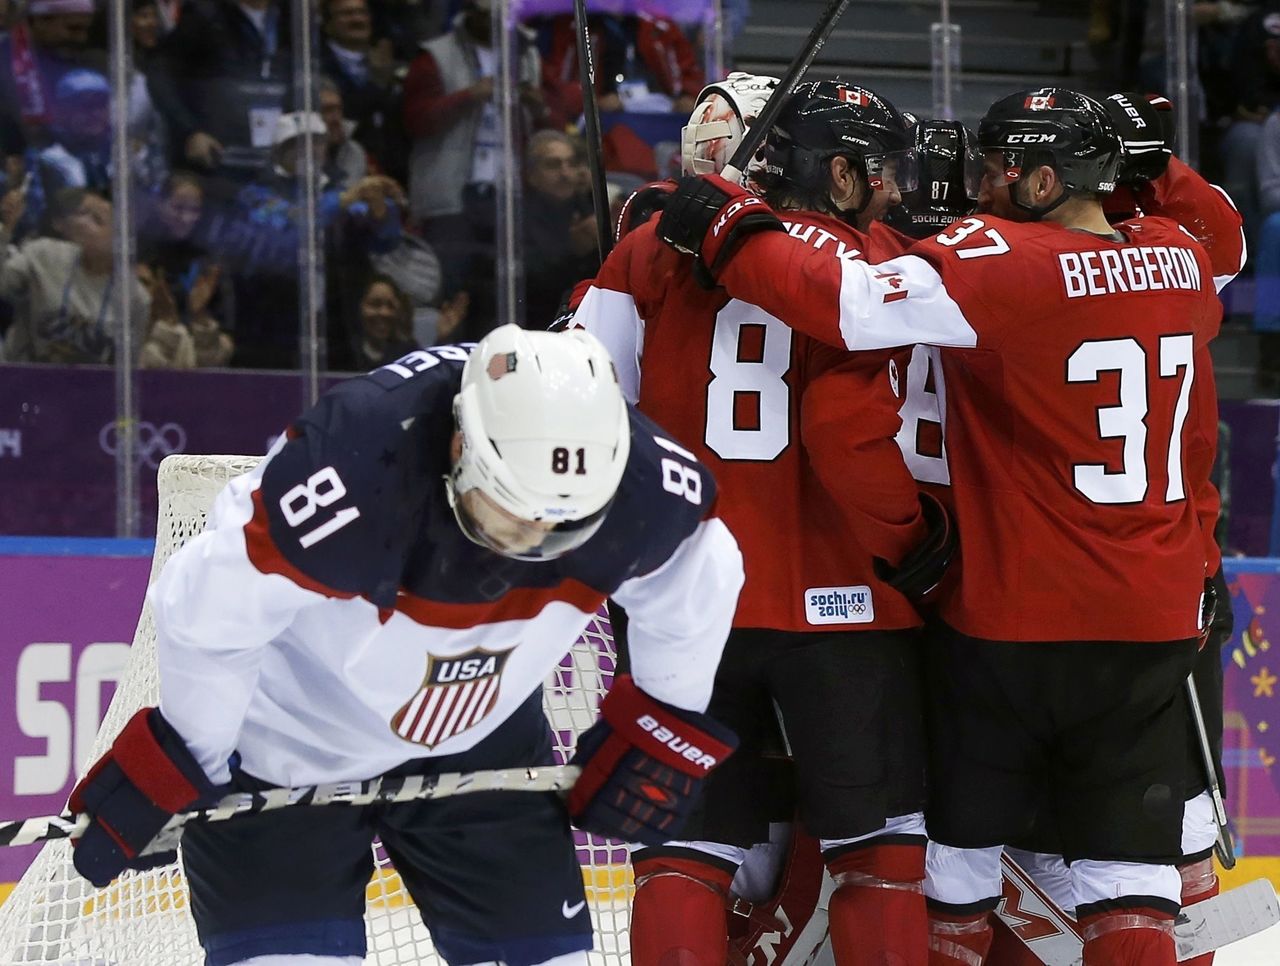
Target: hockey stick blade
[[1226, 918], [1053, 936], [376, 791]]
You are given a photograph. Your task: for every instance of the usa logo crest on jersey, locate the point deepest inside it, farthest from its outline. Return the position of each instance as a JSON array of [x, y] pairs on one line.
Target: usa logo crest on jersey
[[456, 694]]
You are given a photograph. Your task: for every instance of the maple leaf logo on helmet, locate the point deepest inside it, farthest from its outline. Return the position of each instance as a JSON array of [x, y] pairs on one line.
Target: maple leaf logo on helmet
[[856, 96]]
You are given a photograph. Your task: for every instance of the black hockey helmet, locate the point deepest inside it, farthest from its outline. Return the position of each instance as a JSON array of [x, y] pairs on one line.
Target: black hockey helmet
[[950, 175], [826, 119], [1067, 130]]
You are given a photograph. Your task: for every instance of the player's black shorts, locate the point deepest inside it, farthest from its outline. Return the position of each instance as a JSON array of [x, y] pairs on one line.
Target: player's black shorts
[[1094, 733], [494, 874], [850, 706]]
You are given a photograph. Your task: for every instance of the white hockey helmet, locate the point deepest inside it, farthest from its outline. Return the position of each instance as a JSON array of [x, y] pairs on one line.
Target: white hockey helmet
[[545, 439], [722, 115]]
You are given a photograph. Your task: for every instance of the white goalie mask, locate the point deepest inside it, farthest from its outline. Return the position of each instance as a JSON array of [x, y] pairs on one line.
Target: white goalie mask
[[545, 437], [722, 116]]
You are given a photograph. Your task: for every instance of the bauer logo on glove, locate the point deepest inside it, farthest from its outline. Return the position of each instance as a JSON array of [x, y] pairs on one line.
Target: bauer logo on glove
[[643, 765], [666, 736]]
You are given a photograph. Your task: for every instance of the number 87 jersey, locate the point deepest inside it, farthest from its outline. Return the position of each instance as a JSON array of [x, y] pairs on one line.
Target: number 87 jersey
[[1069, 361], [799, 435]]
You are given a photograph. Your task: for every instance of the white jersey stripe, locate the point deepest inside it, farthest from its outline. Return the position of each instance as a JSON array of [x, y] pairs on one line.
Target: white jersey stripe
[[424, 719], [464, 692], [410, 716], [483, 702], [468, 713]]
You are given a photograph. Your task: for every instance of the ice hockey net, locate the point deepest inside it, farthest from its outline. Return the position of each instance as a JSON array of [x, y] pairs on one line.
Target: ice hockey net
[[54, 916]]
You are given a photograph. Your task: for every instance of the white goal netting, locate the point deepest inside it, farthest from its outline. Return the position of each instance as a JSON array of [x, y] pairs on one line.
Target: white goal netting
[[54, 916]]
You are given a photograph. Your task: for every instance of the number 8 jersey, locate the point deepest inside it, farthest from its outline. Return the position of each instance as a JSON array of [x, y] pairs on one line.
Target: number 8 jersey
[[800, 435], [1069, 364]]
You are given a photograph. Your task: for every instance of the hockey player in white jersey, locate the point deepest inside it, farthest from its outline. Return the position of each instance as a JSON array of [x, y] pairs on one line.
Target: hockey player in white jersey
[[384, 595]]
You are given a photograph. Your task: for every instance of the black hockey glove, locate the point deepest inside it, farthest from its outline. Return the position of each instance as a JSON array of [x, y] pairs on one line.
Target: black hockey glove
[[148, 776], [1209, 603], [643, 764], [708, 217], [1145, 124], [922, 568]]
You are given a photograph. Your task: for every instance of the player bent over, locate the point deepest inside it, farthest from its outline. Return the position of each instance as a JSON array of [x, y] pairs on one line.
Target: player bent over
[[835, 541], [1069, 350], [384, 595]]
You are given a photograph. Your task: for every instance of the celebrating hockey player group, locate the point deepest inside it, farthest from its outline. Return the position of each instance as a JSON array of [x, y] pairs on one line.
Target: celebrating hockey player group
[[918, 519]]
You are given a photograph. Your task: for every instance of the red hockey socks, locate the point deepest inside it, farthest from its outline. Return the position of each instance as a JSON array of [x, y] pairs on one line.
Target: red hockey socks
[[877, 913], [1199, 882], [678, 914], [1137, 936], [958, 939]]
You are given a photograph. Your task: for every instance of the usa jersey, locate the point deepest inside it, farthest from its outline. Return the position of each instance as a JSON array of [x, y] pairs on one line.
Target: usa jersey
[[333, 622], [1069, 372], [799, 434]]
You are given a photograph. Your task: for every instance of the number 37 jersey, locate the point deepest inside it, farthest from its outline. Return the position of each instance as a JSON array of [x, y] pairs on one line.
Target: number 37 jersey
[[800, 435], [1070, 370]]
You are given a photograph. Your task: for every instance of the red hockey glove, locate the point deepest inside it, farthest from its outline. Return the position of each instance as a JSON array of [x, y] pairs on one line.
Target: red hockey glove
[[1145, 124], [133, 790], [922, 568], [643, 764], [709, 217]]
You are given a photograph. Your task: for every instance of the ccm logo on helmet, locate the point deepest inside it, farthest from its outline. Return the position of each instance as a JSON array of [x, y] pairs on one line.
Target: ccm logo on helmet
[[680, 746], [1032, 138], [732, 210]]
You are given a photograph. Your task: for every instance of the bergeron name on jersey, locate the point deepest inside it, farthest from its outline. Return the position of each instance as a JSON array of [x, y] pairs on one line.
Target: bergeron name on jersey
[[1138, 268]]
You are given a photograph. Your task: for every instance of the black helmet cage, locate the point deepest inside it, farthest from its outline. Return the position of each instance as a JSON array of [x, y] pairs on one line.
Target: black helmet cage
[[950, 177], [1063, 129], [828, 119]]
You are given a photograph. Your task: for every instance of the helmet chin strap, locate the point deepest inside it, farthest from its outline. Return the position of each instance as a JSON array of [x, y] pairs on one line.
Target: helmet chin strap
[[850, 215]]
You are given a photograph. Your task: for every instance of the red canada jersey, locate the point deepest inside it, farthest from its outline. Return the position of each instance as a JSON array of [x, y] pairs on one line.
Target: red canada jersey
[[1069, 363], [1208, 213], [799, 435]]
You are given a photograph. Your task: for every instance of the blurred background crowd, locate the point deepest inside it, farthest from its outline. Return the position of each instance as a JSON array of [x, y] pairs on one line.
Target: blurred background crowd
[[399, 192]]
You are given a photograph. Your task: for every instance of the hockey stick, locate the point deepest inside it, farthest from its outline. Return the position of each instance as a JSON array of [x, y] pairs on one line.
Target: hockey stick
[[591, 120], [769, 113], [1054, 938], [1224, 847], [376, 791]]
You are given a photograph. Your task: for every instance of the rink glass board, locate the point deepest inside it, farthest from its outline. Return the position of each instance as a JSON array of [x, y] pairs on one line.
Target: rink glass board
[[70, 607]]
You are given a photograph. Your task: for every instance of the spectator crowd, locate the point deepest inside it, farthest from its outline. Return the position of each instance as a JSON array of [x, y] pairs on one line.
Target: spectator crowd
[[387, 186]]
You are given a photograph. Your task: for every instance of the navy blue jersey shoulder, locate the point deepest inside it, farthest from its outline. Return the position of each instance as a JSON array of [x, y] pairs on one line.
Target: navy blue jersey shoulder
[[345, 497], [665, 493]]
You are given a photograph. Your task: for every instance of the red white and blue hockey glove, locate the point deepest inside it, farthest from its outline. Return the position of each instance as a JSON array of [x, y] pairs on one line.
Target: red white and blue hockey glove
[[148, 776], [709, 217], [643, 764]]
